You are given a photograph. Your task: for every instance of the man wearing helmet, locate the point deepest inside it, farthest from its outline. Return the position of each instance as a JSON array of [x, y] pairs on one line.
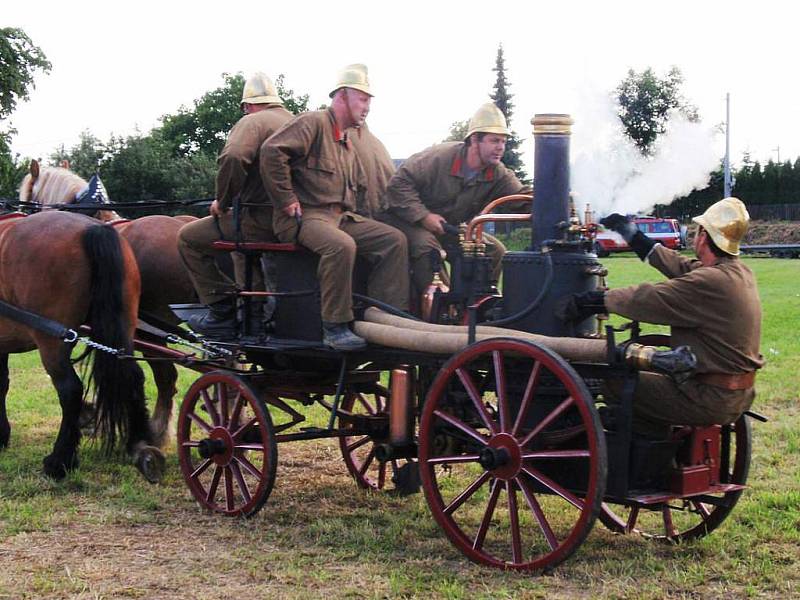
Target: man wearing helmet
[[237, 177], [711, 305], [450, 183], [316, 179]]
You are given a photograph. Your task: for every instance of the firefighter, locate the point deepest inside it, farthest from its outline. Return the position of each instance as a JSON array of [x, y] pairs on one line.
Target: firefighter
[[315, 180], [237, 177], [711, 305], [451, 183], [378, 168]]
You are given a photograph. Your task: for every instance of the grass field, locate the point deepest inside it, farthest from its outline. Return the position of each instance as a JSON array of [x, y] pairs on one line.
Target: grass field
[[104, 533]]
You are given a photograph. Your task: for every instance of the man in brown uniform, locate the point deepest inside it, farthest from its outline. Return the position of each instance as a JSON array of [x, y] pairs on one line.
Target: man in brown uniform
[[378, 168], [237, 176], [450, 183], [711, 305], [314, 174]]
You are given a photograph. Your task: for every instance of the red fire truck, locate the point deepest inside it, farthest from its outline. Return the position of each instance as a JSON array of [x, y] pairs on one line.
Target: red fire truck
[[666, 231]]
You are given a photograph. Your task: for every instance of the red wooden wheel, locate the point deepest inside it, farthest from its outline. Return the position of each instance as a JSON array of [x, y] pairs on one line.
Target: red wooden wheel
[[359, 451], [512, 455], [690, 518], [226, 445]]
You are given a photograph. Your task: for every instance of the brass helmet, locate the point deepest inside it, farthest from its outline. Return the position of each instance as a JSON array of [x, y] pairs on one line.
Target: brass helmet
[[726, 222], [353, 76], [259, 89], [488, 119]]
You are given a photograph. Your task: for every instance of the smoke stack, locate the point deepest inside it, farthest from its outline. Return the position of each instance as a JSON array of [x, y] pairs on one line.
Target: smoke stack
[[550, 210]]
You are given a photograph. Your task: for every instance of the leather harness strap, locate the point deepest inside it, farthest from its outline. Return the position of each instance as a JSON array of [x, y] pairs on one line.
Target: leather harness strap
[[728, 381]]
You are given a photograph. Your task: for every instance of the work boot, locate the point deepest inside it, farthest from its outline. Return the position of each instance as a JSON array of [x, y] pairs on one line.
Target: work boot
[[219, 322], [339, 337]]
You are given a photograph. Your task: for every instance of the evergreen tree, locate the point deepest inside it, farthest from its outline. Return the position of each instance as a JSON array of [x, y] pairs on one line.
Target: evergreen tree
[[502, 98]]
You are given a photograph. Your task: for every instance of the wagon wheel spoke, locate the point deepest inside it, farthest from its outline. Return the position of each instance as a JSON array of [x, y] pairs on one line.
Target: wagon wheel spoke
[[554, 414], [237, 473], [461, 426], [552, 485], [446, 460], [200, 422], [238, 405], [701, 510], [500, 384], [222, 394], [248, 466], [527, 398], [250, 423], [363, 402], [201, 469], [467, 493], [556, 454], [367, 461], [630, 524], [480, 537], [210, 408], [358, 443], [382, 474], [229, 497], [475, 396], [513, 515], [212, 489], [538, 514]]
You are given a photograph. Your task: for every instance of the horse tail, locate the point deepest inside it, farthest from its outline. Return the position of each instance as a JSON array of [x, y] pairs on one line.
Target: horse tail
[[120, 404]]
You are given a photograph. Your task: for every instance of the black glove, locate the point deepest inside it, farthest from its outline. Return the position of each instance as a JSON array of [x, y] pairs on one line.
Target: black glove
[[622, 225], [638, 241], [641, 244], [577, 307]]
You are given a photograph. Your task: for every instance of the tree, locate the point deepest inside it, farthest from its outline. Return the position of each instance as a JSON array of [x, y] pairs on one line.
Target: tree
[[19, 61], [645, 104], [458, 131], [205, 127], [502, 98], [84, 158]]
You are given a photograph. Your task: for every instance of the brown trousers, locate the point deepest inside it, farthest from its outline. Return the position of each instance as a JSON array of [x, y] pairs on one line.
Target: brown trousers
[[194, 244], [338, 237], [659, 403], [421, 242]]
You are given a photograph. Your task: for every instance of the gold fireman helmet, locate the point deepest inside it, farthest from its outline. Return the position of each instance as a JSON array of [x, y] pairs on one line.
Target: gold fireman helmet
[[726, 222], [488, 119], [259, 89], [353, 76]]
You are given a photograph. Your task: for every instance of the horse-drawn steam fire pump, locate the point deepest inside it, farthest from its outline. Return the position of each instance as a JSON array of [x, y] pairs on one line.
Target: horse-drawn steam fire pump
[[503, 414]]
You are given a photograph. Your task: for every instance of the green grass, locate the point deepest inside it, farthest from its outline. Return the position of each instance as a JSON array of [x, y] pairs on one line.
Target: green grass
[[103, 532]]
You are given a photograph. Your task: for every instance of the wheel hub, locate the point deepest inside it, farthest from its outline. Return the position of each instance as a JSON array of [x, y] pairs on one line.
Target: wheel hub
[[218, 446], [502, 456], [491, 458]]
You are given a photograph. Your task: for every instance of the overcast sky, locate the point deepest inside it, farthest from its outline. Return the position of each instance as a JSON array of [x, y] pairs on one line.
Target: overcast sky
[[117, 67]]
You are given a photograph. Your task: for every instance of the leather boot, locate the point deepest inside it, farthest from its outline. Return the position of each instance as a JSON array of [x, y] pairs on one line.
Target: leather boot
[[339, 337], [219, 322]]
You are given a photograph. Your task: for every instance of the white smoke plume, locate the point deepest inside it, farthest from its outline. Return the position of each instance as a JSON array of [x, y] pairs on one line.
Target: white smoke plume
[[610, 173]]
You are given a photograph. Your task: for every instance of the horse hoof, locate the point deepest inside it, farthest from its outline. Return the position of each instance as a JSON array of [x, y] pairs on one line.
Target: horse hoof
[[151, 463], [57, 468]]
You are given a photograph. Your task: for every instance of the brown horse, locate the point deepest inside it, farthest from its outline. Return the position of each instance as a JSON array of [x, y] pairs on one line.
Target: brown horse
[[83, 272], [154, 241]]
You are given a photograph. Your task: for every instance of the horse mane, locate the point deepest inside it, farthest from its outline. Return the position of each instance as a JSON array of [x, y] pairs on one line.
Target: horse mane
[[54, 185], [57, 185]]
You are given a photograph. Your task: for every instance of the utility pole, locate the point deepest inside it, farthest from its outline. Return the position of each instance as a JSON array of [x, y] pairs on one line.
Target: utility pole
[[778, 150], [727, 177]]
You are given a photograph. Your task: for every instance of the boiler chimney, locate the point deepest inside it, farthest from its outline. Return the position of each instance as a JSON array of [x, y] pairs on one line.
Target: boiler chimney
[[550, 209]]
